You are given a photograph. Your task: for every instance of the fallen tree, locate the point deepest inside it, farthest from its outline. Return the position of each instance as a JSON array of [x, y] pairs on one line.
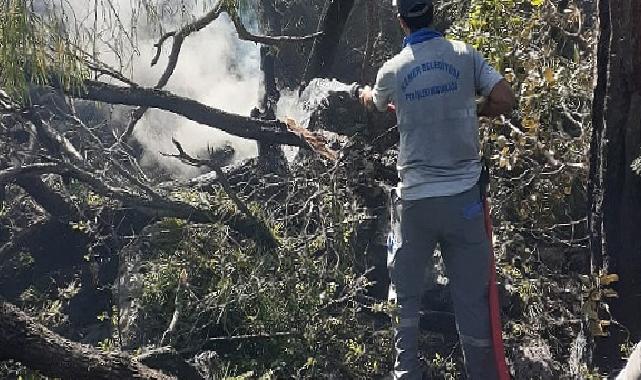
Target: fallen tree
[[25, 340]]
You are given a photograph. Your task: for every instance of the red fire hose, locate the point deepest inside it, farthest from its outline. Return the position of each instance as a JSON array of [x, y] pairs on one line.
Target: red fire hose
[[495, 310]]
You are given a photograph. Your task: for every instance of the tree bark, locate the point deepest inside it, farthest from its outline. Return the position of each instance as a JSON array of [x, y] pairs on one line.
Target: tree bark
[[615, 190], [270, 156], [25, 340]]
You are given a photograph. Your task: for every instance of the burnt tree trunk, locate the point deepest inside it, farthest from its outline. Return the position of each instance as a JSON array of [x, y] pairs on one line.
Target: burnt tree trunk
[[270, 156], [332, 24], [24, 340], [615, 190]]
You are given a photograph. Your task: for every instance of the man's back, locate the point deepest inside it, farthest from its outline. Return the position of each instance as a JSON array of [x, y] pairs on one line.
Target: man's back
[[433, 85]]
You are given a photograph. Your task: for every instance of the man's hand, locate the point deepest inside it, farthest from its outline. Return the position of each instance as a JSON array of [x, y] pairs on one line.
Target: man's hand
[[500, 102], [366, 97]]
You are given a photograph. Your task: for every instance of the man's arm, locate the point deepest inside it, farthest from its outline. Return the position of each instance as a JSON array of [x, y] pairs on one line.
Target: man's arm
[[383, 91], [490, 84], [500, 100]]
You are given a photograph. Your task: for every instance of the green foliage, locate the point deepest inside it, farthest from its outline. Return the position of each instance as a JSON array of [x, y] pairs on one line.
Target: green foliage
[[59, 43], [538, 155], [107, 345], [35, 49], [14, 370], [300, 310]]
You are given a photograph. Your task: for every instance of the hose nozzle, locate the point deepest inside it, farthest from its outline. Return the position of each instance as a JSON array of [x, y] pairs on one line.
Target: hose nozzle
[[355, 90]]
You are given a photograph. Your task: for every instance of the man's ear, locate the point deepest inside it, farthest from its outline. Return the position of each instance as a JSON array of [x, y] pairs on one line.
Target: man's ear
[[404, 26]]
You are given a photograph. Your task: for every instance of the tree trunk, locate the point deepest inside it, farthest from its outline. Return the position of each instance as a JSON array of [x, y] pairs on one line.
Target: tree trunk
[[332, 24], [271, 157], [24, 340], [615, 190]]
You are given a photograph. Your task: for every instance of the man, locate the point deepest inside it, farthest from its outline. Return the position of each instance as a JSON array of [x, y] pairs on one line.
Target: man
[[433, 84]]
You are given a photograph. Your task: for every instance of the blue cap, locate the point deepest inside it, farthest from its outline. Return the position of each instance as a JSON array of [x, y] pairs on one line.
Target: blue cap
[[414, 8]]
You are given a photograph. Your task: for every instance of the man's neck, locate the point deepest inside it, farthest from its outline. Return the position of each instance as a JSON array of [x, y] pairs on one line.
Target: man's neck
[[420, 36]]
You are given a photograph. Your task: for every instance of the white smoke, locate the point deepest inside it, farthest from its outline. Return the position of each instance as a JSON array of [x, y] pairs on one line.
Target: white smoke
[[214, 67]]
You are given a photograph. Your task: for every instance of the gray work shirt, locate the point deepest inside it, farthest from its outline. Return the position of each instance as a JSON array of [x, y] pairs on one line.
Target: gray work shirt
[[434, 86]]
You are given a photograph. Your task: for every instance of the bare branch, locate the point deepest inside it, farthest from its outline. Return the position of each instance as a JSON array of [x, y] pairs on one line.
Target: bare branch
[[186, 158], [244, 34], [108, 155], [179, 38], [158, 46], [106, 70], [53, 141], [98, 66], [280, 334]]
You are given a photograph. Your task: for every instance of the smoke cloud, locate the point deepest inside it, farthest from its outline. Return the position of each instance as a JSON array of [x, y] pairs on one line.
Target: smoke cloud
[[214, 67]]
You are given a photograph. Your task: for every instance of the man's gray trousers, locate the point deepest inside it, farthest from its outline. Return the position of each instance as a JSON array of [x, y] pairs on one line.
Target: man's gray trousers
[[456, 223]]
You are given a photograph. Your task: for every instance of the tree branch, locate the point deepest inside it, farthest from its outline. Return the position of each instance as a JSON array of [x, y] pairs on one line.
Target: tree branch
[[160, 208], [244, 34], [222, 180], [25, 340], [10, 174], [53, 141], [52, 202], [158, 45], [179, 37], [249, 128]]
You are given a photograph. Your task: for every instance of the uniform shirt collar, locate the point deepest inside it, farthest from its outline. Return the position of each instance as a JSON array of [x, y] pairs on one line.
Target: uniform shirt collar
[[421, 35]]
